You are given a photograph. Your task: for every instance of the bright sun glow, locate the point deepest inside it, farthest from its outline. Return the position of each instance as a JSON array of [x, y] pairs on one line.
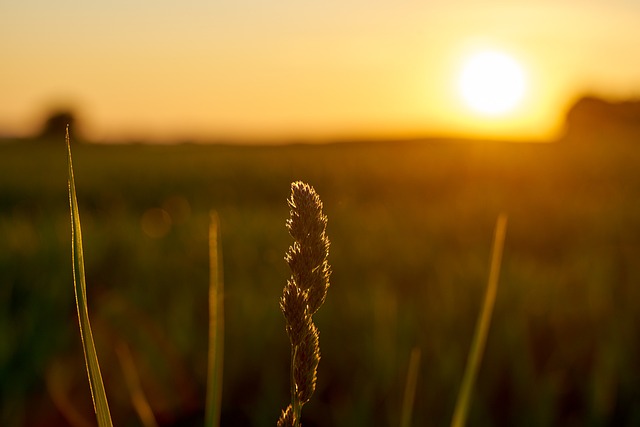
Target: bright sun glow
[[491, 83]]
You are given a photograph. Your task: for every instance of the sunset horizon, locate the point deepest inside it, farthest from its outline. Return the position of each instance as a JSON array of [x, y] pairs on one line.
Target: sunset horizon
[[286, 72], [461, 175]]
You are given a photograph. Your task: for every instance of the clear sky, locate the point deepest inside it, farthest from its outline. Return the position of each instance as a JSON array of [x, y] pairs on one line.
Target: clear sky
[[315, 70]]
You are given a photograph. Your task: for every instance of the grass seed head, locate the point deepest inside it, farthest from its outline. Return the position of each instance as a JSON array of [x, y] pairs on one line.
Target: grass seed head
[[304, 293], [286, 418], [307, 358], [293, 304]]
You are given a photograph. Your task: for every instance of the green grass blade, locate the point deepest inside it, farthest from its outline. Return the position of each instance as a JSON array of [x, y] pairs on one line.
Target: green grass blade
[[410, 388], [98, 395], [132, 379], [216, 326], [482, 327]]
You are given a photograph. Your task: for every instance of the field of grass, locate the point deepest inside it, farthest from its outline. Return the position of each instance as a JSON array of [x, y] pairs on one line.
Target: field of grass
[[411, 229]]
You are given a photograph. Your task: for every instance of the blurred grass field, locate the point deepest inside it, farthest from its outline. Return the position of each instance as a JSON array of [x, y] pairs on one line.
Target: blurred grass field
[[411, 228]]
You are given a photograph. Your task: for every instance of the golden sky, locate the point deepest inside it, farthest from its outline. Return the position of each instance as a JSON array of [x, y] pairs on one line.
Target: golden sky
[[310, 70]]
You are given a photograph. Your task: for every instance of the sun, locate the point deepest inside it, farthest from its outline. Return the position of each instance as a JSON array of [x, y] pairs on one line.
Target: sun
[[491, 83]]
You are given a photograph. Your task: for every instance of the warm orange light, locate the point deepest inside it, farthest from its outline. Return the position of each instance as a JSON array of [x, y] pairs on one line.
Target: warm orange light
[[491, 83]]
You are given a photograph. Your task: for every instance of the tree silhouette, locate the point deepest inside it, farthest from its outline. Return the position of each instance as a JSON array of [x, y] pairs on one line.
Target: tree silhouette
[[56, 123]]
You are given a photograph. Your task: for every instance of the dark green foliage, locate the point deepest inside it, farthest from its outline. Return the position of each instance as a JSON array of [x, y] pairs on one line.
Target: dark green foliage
[[411, 229]]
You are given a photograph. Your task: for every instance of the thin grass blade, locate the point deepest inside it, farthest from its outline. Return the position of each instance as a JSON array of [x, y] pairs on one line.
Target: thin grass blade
[[132, 379], [410, 388], [58, 384], [482, 327], [100, 404], [216, 326]]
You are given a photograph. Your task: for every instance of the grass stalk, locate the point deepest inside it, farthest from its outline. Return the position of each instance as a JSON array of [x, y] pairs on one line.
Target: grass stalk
[[482, 327], [216, 326], [303, 294], [57, 383], [98, 394], [410, 387], [138, 398]]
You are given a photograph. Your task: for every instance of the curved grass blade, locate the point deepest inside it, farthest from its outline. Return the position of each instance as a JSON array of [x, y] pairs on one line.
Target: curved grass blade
[[138, 398], [216, 326], [57, 382], [98, 395], [410, 387], [482, 327]]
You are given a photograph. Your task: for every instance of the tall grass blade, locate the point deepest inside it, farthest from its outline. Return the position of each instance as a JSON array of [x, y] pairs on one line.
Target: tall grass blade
[[216, 326], [138, 398], [410, 387], [482, 327], [57, 382], [98, 395]]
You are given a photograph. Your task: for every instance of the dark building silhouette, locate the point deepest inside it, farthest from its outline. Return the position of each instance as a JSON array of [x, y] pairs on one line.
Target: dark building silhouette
[[592, 118]]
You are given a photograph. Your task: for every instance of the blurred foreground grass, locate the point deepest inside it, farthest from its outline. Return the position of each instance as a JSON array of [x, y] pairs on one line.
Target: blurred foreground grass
[[411, 227]]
